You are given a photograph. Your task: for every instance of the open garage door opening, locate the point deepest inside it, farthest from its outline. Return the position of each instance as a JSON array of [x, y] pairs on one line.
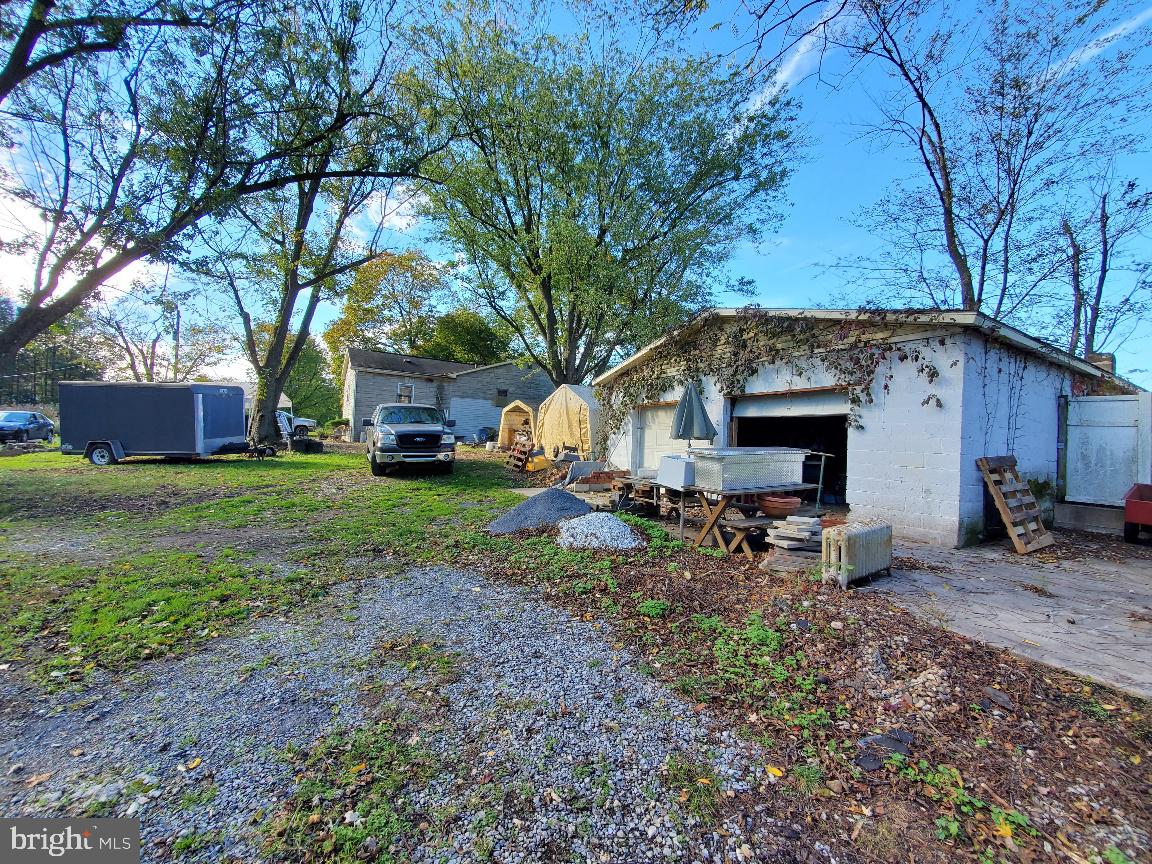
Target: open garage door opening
[[821, 433]]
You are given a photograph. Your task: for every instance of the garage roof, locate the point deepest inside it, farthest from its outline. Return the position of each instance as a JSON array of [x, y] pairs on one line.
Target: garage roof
[[937, 317]]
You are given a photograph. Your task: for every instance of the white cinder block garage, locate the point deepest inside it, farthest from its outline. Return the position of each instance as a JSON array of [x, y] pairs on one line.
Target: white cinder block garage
[[904, 402]]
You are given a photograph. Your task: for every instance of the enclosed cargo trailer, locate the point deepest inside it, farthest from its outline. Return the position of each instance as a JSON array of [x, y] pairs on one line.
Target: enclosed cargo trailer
[[106, 421]]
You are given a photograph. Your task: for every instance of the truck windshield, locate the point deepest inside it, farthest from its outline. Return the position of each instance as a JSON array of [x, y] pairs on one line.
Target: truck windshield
[[411, 414]]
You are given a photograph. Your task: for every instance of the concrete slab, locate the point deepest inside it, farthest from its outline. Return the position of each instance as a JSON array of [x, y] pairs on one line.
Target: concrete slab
[[1090, 517], [1091, 617], [529, 491]]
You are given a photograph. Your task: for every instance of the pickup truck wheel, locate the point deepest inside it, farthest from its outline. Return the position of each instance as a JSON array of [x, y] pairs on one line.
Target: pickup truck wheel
[[301, 431], [444, 467], [101, 455], [378, 470]]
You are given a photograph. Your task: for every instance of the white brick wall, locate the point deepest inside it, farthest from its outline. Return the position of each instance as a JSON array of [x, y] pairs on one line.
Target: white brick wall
[[904, 464], [1011, 408]]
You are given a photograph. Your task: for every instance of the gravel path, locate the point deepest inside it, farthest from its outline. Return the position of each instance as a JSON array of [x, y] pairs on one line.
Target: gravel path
[[552, 742]]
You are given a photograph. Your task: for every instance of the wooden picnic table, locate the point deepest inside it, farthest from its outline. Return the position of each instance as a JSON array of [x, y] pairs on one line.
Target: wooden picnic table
[[712, 530]]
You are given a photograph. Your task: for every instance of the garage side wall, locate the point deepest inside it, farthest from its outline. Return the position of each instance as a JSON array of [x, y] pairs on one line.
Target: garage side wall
[[904, 464], [1011, 408]]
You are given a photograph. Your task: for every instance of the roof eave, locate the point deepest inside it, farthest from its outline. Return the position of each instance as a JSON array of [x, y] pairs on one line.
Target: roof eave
[[962, 318]]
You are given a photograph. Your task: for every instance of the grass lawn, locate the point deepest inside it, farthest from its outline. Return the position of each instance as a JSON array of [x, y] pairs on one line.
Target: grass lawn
[[103, 568]]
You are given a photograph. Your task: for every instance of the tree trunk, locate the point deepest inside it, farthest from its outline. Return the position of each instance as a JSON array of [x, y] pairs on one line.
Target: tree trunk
[[1075, 254], [263, 427]]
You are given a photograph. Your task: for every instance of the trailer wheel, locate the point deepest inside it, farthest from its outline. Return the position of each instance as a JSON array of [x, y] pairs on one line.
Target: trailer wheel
[[101, 454], [1131, 532]]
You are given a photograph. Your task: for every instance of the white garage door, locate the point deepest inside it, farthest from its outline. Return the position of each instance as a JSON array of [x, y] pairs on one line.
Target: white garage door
[[655, 427]]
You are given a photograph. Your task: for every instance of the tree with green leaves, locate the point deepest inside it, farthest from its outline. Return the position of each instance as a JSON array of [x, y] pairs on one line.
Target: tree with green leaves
[[310, 386], [391, 305], [466, 336], [156, 333], [596, 196], [65, 352], [279, 253], [120, 154], [41, 35]]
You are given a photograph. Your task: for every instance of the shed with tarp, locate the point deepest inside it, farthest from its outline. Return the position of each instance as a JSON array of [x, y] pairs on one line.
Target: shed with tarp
[[568, 420], [517, 416]]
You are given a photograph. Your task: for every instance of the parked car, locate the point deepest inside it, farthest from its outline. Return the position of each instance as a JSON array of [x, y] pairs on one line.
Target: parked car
[[291, 425], [25, 426], [401, 433]]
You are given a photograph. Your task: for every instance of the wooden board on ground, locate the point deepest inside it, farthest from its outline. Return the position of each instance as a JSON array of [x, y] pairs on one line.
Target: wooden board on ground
[[1015, 504]]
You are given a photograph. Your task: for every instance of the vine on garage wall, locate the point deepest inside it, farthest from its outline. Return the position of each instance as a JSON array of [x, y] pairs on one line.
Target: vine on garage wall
[[730, 350]]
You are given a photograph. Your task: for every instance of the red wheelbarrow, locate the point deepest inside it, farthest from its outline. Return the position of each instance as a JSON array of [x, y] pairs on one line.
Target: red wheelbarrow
[[1137, 511]]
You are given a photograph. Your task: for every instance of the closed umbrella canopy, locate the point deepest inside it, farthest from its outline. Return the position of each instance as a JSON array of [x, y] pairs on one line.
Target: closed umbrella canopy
[[691, 421]]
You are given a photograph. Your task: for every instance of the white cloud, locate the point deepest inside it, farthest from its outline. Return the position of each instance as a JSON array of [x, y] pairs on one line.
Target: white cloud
[[397, 210], [1083, 55], [806, 54]]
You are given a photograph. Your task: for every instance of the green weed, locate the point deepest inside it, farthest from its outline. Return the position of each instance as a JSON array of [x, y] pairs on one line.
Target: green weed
[[653, 608], [142, 606], [374, 764], [695, 785]]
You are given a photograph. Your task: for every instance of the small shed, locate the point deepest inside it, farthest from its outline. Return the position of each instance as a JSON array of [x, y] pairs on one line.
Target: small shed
[[568, 419], [515, 416]]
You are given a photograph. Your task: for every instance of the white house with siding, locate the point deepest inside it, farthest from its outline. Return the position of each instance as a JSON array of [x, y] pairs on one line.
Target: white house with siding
[[471, 395], [909, 456]]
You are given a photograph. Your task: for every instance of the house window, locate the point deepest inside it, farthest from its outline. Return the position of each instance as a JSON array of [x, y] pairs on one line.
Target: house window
[[405, 392], [501, 394]]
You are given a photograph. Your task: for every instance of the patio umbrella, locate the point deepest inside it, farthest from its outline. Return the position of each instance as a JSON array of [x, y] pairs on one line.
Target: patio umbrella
[[691, 421]]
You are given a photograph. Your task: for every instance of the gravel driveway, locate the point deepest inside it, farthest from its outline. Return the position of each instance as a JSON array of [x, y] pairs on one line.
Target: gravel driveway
[[552, 743]]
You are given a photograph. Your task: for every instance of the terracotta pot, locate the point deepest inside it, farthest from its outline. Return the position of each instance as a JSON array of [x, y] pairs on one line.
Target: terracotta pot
[[777, 508]]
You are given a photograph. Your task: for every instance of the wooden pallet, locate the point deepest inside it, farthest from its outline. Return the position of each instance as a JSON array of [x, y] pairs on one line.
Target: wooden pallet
[[1015, 503], [518, 456]]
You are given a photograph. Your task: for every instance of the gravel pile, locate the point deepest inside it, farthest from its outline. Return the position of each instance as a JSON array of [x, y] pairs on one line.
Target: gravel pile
[[546, 508], [597, 531]]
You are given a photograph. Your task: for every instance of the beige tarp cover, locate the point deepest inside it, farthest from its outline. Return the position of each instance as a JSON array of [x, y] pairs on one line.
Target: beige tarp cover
[[569, 417], [512, 419]]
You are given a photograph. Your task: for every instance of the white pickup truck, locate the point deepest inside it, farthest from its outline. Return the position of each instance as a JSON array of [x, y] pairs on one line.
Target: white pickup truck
[[291, 426]]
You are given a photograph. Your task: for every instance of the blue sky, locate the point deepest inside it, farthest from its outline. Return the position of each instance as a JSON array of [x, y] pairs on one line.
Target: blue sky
[[841, 172], [845, 171]]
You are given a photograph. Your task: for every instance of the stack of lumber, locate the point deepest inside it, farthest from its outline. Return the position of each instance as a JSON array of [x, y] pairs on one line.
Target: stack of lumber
[[796, 534]]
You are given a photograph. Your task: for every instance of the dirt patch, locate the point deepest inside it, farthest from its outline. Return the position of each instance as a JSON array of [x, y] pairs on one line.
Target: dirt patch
[[906, 562], [152, 502], [1071, 759]]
